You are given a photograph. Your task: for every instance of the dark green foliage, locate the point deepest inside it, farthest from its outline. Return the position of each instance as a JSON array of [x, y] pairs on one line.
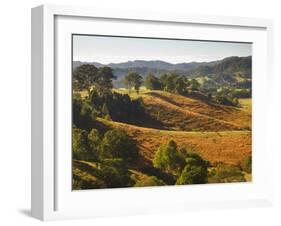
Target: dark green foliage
[[169, 159], [223, 173], [242, 93], [188, 166], [105, 112], [246, 164], [117, 107], [117, 144], [169, 84], [226, 96], [80, 146], [152, 82], [109, 173], [87, 75], [85, 145], [228, 65], [193, 174], [114, 173], [180, 85], [194, 85], [195, 159], [94, 139], [209, 85], [82, 114], [109, 155], [149, 181], [195, 170], [175, 83], [133, 80], [84, 76], [103, 83]]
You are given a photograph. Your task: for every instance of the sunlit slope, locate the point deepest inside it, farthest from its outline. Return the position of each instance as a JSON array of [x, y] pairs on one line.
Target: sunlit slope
[[183, 113], [226, 146]]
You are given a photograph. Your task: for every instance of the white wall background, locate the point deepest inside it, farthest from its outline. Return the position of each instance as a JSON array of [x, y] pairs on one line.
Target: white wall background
[[15, 112]]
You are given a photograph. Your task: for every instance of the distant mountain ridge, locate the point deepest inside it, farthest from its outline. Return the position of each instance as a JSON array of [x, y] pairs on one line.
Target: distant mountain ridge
[[220, 71], [151, 64]]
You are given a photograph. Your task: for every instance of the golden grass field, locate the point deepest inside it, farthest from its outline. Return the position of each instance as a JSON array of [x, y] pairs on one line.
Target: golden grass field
[[219, 133], [230, 147]]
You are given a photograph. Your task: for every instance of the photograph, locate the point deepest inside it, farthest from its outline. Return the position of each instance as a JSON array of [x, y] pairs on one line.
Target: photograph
[[150, 111]]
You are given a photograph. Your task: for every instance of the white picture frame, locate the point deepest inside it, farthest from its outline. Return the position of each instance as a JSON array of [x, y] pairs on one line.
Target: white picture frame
[[51, 199]]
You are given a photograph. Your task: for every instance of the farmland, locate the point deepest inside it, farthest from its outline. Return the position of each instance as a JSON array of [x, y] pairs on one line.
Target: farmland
[[162, 131]]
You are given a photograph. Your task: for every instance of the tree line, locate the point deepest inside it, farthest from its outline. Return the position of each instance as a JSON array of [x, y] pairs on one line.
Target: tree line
[[88, 77]]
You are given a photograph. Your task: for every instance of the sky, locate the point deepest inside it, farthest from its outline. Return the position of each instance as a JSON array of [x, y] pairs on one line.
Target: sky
[[104, 49]]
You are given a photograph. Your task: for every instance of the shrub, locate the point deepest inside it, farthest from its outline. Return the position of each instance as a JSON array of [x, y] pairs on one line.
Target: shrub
[[193, 174], [117, 144], [226, 173], [117, 107], [169, 159], [226, 96], [94, 140], [114, 173], [152, 82], [82, 113], [80, 144], [243, 93], [195, 170]]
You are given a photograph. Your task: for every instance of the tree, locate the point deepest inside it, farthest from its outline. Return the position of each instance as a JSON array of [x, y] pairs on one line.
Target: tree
[[170, 83], [180, 85], [94, 140], [84, 77], [117, 144], [194, 85], [169, 159], [105, 112], [195, 170], [82, 113], [152, 82], [226, 96], [114, 173], [103, 83], [163, 79], [192, 175], [133, 80], [80, 146]]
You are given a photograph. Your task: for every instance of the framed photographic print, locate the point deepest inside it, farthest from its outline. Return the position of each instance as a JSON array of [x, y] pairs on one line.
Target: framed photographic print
[[137, 112]]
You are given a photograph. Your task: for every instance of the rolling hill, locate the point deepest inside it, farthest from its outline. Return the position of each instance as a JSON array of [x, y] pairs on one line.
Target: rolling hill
[[222, 134], [176, 112], [229, 147]]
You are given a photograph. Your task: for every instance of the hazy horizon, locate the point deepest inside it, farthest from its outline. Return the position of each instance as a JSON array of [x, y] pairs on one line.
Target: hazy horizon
[[156, 60], [107, 49]]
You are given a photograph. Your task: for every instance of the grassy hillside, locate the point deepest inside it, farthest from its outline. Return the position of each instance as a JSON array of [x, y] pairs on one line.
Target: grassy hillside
[[162, 129], [219, 133], [88, 175], [213, 146], [177, 112]]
